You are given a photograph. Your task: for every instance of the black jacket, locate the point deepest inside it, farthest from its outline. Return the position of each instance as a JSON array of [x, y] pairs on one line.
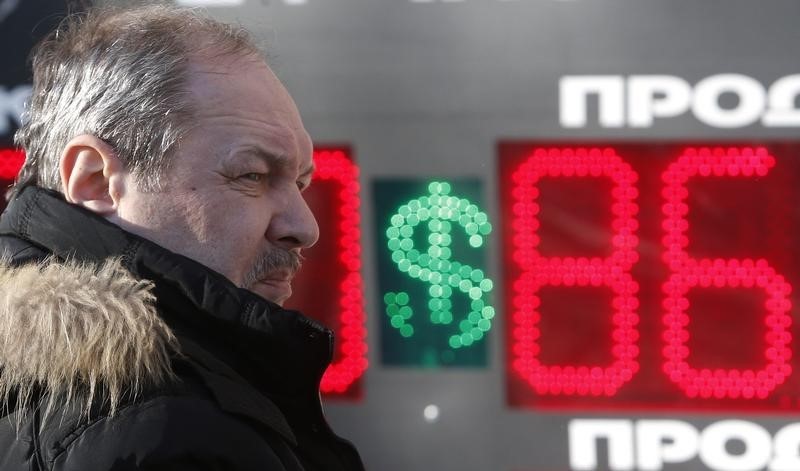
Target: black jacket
[[121, 355]]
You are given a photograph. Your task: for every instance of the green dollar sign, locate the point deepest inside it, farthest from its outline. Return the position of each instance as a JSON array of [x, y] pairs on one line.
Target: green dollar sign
[[441, 212]]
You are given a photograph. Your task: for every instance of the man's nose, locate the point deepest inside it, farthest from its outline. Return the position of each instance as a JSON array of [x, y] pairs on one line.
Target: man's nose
[[295, 227]]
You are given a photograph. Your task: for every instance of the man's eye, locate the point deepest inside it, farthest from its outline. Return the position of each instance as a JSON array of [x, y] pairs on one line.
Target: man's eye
[[253, 177]]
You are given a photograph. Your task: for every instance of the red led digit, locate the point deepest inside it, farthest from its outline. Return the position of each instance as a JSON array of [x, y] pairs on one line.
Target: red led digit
[[11, 161], [689, 273], [537, 271], [335, 166]]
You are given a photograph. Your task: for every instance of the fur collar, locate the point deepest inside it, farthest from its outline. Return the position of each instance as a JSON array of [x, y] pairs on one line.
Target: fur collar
[[78, 332]]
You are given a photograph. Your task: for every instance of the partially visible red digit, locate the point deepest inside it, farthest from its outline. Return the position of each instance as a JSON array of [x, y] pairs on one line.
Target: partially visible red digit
[[688, 273], [11, 161], [334, 165]]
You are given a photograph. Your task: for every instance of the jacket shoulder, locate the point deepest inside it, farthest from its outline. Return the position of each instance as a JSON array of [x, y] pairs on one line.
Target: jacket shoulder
[[166, 433]]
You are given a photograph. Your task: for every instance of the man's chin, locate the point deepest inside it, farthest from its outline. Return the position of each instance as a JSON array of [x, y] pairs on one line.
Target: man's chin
[[276, 291]]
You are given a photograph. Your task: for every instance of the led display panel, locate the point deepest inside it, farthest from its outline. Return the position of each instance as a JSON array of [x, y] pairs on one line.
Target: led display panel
[[434, 289], [329, 287], [650, 276]]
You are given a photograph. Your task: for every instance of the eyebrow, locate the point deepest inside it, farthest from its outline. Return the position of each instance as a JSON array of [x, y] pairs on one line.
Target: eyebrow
[[273, 159]]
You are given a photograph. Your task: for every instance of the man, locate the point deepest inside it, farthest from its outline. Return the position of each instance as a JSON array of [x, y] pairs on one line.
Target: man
[[151, 238]]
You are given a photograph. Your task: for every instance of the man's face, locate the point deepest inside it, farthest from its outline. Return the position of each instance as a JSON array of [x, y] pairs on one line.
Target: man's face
[[232, 199]]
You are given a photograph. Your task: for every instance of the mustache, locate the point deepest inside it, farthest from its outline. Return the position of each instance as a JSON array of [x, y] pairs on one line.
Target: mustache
[[273, 260]]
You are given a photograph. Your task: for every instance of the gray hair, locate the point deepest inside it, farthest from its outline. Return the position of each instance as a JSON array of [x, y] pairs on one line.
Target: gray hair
[[121, 76]]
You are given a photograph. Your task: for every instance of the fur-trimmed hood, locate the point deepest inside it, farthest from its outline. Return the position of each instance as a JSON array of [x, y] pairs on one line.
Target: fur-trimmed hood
[[79, 331]]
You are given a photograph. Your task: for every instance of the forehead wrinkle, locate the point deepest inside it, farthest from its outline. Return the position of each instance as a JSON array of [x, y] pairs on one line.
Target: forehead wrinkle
[[263, 117]]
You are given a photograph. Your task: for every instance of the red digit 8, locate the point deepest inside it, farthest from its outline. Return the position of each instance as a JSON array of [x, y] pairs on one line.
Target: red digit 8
[[688, 273], [538, 271]]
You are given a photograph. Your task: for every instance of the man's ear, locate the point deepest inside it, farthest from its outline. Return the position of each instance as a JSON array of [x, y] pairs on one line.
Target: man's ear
[[92, 175]]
